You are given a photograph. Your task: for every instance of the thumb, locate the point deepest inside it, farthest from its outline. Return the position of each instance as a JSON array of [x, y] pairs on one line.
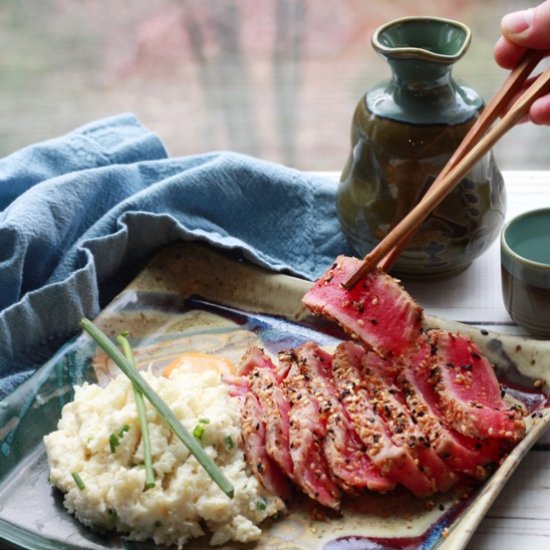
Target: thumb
[[529, 28]]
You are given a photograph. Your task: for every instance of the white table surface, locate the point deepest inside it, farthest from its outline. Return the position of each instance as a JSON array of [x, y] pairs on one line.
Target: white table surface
[[520, 517]]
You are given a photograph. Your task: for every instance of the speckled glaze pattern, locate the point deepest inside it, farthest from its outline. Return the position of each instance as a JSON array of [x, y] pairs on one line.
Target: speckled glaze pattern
[[403, 132], [191, 298]]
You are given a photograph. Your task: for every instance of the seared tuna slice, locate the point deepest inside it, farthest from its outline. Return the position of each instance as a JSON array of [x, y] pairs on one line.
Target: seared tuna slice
[[346, 454], [307, 435], [262, 465], [377, 310], [264, 384], [389, 403], [463, 454], [237, 386], [255, 357], [394, 461], [468, 390]]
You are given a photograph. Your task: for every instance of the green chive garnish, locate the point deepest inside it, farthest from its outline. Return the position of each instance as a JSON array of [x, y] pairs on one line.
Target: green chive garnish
[[170, 418], [229, 442], [78, 481], [261, 504], [114, 439], [124, 429], [204, 420], [198, 432], [113, 442], [140, 405]]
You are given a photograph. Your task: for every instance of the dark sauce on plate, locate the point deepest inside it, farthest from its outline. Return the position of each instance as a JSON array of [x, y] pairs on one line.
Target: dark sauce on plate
[[375, 543]]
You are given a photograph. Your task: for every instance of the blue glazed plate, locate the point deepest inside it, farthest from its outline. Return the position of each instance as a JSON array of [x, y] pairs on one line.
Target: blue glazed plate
[[191, 298]]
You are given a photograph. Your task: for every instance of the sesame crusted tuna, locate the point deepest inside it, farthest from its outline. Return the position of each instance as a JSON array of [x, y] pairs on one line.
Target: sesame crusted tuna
[[392, 407], [471, 456], [265, 385], [403, 408], [376, 311], [308, 430], [346, 455], [254, 437], [384, 444], [469, 391]]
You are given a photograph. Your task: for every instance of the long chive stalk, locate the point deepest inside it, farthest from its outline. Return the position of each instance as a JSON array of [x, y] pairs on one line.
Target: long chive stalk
[[142, 415], [169, 417]]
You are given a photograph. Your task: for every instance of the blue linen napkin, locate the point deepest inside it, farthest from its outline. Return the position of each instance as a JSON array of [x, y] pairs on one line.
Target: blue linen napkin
[[83, 212]]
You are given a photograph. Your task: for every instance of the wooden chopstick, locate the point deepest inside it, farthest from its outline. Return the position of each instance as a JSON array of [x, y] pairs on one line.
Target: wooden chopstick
[[470, 151], [504, 95]]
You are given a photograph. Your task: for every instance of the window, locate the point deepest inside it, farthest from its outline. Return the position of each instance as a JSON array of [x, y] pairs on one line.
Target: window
[[277, 79]]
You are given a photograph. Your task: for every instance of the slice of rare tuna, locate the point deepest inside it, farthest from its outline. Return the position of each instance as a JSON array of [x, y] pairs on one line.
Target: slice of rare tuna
[[266, 386], [262, 465], [346, 454], [377, 310], [469, 391], [307, 434], [394, 461]]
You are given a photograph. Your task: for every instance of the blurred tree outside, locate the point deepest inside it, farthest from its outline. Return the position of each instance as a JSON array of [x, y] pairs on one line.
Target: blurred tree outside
[[277, 79]]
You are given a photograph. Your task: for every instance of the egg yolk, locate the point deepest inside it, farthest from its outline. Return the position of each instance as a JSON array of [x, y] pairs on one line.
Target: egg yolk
[[196, 361]]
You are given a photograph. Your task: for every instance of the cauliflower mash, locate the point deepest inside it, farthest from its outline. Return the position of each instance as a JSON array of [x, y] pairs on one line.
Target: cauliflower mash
[[96, 459]]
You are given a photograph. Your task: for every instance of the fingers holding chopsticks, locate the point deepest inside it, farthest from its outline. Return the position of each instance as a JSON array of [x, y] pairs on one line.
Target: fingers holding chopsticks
[[539, 112], [523, 30]]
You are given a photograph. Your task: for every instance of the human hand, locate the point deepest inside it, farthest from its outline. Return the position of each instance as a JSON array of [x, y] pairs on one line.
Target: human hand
[[523, 30]]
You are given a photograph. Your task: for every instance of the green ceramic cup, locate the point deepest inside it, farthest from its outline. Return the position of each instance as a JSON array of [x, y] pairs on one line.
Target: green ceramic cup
[[525, 266]]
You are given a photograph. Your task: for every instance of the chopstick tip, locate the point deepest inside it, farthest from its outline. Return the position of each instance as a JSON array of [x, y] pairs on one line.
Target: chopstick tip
[[362, 269]]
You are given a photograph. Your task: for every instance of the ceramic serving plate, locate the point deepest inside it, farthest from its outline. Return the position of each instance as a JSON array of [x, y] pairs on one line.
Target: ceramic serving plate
[[191, 298]]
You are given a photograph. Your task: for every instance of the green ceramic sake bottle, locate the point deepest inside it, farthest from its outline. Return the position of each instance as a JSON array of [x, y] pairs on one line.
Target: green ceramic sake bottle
[[403, 132]]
